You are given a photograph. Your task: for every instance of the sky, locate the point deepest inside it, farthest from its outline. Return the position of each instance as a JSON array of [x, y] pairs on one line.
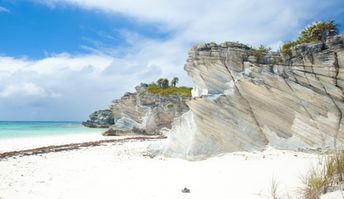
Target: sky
[[60, 60]]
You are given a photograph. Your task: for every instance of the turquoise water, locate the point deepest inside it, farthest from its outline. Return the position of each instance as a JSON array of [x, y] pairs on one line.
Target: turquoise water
[[29, 129]]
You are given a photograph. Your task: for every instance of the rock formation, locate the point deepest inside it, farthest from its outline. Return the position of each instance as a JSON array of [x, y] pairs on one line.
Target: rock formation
[[141, 112], [100, 119], [244, 104]]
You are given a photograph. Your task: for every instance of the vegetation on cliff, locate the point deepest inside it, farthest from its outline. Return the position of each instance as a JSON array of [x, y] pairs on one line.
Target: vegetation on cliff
[[318, 31], [125, 114], [260, 52], [163, 88]]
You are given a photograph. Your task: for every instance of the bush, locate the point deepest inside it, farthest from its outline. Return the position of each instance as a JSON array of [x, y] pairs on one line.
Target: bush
[[174, 81], [181, 91], [314, 181], [260, 52], [318, 180], [318, 31], [163, 83], [286, 48]]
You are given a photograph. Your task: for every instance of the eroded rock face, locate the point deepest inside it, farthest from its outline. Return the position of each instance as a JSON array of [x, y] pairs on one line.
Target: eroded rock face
[[142, 112], [100, 119], [243, 104], [145, 112]]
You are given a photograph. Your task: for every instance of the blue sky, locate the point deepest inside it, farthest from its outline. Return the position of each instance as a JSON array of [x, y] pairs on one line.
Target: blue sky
[[62, 59], [35, 30]]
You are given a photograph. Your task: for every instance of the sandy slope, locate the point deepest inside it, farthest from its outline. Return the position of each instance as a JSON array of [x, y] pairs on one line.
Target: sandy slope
[[121, 170]]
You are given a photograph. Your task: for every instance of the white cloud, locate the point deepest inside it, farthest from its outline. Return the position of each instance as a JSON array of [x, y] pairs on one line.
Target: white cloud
[[68, 86], [58, 84], [23, 89]]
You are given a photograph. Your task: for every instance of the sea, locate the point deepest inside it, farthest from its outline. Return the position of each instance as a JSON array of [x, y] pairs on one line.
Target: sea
[[19, 129]]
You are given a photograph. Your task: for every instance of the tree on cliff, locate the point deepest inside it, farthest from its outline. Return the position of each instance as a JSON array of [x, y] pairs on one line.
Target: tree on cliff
[[160, 82], [163, 83], [318, 31], [174, 81], [260, 52]]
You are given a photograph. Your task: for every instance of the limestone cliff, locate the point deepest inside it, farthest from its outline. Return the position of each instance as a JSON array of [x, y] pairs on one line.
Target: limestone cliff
[[244, 104], [140, 112], [100, 119]]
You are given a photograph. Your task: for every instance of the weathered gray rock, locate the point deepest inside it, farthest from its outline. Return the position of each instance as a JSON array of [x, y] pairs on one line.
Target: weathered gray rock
[[140, 112], [118, 131], [241, 105], [146, 112], [100, 119]]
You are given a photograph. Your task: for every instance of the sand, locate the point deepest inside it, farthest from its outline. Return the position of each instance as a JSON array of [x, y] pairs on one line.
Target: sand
[[122, 170], [12, 144]]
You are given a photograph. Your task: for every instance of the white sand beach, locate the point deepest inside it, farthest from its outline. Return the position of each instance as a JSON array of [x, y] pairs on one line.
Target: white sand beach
[[12, 144], [121, 170]]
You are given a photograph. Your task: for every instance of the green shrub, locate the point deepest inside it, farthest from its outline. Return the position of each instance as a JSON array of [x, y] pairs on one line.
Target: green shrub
[[315, 182], [174, 81], [181, 91], [318, 180], [260, 52], [163, 83], [318, 31], [286, 48]]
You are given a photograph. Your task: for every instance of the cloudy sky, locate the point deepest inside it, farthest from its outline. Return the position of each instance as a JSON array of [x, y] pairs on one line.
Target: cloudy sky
[[62, 59]]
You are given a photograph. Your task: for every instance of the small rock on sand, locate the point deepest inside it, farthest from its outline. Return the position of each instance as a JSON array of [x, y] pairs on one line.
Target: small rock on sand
[[186, 190]]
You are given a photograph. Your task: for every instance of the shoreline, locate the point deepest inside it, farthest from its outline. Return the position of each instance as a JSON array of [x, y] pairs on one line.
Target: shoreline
[[23, 143], [74, 146]]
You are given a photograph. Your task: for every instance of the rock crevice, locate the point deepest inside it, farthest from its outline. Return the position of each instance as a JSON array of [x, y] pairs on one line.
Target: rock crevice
[[246, 101]]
